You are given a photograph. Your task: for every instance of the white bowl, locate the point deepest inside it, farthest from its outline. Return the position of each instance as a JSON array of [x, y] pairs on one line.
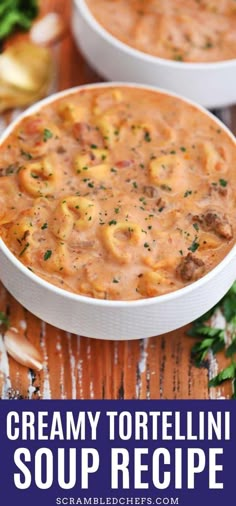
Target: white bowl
[[210, 84], [106, 319]]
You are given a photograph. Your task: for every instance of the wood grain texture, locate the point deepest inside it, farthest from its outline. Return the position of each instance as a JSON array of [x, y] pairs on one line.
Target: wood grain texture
[[80, 368]]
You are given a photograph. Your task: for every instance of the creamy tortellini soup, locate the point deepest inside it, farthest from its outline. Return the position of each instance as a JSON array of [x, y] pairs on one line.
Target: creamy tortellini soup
[[181, 30], [118, 193]]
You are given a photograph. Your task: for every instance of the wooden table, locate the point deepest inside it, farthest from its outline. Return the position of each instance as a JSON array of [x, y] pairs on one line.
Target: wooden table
[[81, 368]]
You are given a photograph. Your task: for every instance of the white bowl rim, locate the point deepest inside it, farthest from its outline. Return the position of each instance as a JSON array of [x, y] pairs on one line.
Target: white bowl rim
[[131, 51], [101, 302]]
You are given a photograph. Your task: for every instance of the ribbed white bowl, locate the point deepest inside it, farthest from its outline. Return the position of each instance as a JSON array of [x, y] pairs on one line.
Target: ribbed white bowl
[[113, 319]]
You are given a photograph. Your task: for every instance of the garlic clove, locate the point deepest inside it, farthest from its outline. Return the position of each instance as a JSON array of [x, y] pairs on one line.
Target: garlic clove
[[48, 30], [22, 350]]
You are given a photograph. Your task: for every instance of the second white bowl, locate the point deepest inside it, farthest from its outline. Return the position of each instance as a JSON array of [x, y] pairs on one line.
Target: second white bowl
[[210, 84]]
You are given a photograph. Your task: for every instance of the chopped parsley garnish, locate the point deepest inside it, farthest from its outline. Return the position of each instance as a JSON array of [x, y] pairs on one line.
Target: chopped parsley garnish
[[47, 254], [178, 57], [11, 169], [146, 245], [117, 210], [223, 182], [182, 148], [196, 226], [166, 187], [208, 45], [142, 199], [24, 249], [47, 134], [147, 137], [112, 222], [27, 155], [194, 246], [91, 185], [115, 280], [135, 184], [93, 146], [187, 193], [44, 226]]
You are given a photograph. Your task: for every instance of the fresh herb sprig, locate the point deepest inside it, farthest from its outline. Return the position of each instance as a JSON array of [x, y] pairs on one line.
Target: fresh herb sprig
[[16, 14], [4, 321], [213, 339]]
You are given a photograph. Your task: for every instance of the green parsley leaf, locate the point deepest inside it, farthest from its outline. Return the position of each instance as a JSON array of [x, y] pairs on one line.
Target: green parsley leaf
[[211, 339], [16, 14], [26, 155], [187, 193], [4, 320], [47, 134], [223, 182], [147, 137], [178, 57], [227, 373], [24, 250], [47, 254], [194, 246]]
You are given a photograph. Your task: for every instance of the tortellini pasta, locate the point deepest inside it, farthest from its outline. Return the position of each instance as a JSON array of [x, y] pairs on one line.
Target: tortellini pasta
[[73, 212], [40, 178], [119, 237]]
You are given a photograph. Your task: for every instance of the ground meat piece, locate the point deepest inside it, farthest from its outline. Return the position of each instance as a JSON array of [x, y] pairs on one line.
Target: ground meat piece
[[88, 135], [11, 169], [61, 150], [190, 268], [150, 191], [222, 191], [161, 204], [215, 222]]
